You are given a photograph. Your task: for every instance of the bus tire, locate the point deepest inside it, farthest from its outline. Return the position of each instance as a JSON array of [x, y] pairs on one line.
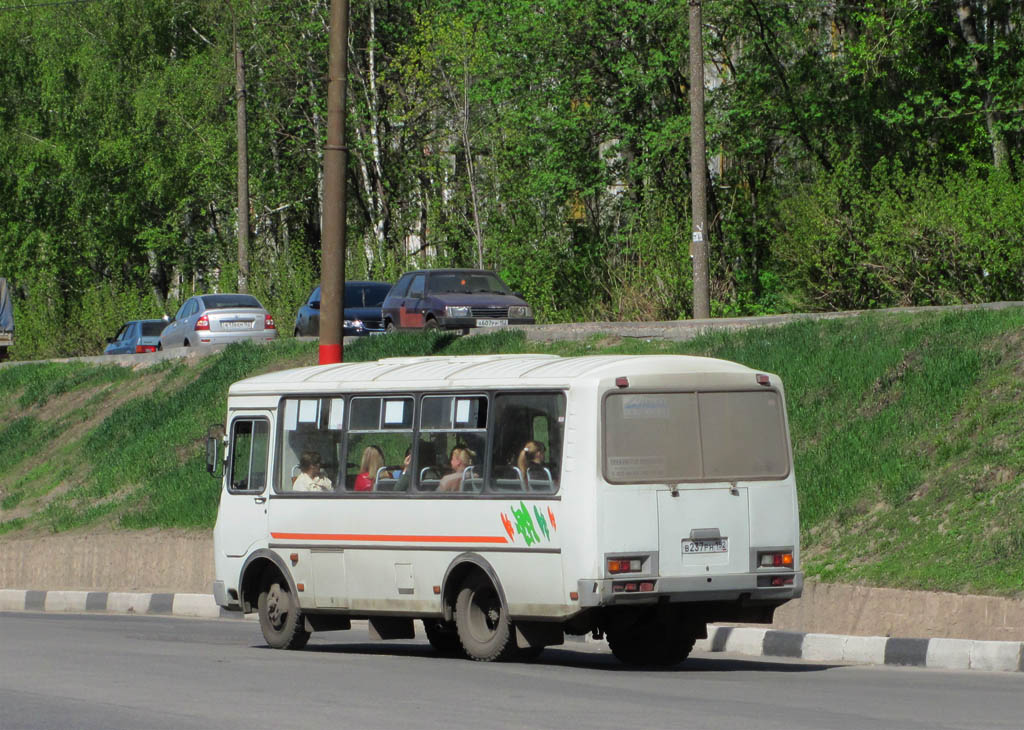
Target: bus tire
[[443, 636], [652, 644], [280, 616], [484, 629]]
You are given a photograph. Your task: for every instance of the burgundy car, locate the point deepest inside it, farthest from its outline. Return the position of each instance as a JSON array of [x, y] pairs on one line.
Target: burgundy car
[[453, 299]]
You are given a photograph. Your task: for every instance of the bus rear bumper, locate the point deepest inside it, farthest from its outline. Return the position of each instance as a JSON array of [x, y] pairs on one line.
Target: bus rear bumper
[[741, 588]]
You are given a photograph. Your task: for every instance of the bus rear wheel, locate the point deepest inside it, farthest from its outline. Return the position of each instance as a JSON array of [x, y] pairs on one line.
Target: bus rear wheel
[[484, 629], [653, 643], [280, 616]]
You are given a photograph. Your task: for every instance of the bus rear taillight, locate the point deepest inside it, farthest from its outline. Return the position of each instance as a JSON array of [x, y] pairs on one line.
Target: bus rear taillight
[[775, 560], [625, 565]]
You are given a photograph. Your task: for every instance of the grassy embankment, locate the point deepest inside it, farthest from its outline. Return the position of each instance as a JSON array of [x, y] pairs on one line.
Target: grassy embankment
[[908, 434]]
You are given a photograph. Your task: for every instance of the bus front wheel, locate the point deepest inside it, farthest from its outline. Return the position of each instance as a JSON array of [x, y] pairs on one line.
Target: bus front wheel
[[482, 622], [280, 616]]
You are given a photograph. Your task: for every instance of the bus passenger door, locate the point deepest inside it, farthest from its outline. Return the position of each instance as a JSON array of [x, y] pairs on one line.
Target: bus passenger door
[[242, 517]]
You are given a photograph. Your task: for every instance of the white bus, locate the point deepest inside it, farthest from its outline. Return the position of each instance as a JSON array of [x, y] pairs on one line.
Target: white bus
[[508, 500]]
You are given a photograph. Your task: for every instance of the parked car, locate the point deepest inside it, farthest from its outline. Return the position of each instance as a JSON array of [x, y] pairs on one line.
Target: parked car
[[139, 335], [454, 299], [215, 318], [362, 314]]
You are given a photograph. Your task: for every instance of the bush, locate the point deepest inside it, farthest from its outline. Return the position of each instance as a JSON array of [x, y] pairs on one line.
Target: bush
[[901, 239]]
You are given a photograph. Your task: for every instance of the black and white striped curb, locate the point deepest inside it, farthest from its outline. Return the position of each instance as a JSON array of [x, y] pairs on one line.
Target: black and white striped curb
[[197, 605], [991, 656]]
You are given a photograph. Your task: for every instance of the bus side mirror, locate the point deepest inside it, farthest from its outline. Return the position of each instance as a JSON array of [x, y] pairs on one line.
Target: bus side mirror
[[214, 438]]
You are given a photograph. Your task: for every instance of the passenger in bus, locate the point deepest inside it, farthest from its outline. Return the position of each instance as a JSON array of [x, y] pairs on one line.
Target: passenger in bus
[[311, 478], [373, 460], [532, 465], [461, 458], [405, 476]]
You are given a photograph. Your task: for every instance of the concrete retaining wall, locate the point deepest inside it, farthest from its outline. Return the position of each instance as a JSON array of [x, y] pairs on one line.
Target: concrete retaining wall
[[182, 562]]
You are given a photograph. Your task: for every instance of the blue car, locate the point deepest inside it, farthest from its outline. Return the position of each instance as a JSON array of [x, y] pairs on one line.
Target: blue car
[[453, 299], [139, 335], [362, 314]]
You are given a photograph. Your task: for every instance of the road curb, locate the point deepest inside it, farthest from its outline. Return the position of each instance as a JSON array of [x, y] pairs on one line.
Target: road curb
[[988, 656], [937, 653], [194, 605]]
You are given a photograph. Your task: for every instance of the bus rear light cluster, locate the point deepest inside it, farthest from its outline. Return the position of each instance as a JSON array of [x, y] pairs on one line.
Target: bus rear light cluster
[[774, 581], [775, 560], [633, 587], [625, 565]]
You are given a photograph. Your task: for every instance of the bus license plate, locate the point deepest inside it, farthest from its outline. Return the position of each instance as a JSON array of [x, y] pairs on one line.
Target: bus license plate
[[491, 322], [713, 545]]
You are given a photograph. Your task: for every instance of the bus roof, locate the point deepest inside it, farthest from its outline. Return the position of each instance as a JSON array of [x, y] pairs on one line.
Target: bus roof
[[478, 371]]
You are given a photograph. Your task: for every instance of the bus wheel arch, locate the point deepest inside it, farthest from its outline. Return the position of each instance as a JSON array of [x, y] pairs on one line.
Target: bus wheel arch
[[473, 594], [253, 575], [458, 572]]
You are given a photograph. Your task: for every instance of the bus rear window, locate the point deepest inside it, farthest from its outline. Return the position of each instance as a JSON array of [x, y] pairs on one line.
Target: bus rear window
[[703, 436]]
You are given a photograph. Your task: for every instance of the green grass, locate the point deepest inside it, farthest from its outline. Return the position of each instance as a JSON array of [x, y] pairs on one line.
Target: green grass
[[908, 434]]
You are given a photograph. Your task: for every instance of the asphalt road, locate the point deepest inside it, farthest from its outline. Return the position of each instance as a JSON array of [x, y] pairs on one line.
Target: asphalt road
[[146, 673]]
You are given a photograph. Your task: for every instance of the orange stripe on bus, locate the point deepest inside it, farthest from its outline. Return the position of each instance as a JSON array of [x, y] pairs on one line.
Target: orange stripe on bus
[[387, 538]]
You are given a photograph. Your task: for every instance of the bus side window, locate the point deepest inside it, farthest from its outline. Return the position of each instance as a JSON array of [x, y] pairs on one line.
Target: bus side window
[[249, 455], [523, 422], [379, 436]]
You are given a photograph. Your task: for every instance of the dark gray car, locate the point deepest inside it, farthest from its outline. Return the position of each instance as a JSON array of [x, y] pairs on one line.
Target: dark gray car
[[453, 299], [139, 335], [217, 318]]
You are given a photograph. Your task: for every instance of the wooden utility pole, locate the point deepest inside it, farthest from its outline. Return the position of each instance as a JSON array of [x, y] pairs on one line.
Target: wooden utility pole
[[332, 236], [243, 169], [698, 170]]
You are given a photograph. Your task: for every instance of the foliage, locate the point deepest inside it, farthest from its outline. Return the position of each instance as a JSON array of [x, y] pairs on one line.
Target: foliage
[[902, 239], [546, 139]]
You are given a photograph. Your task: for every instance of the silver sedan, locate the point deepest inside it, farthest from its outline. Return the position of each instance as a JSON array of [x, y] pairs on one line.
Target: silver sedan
[[216, 318]]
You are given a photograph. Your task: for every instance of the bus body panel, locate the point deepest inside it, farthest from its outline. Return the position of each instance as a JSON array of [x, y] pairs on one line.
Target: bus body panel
[[382, 557]]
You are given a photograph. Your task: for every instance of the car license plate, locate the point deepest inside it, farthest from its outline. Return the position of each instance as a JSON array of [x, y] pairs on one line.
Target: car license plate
[[240, 324], [491, 322], [712, 545]]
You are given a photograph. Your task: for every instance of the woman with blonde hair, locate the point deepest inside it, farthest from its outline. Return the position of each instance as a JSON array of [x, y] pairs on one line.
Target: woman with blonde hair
[[461, 458], [373, 460]]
